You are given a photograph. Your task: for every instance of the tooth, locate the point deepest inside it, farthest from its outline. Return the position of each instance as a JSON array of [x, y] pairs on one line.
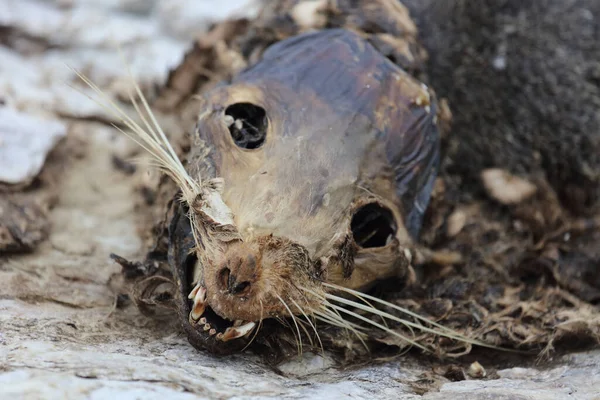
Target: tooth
[[237, 332], [203, 320], [212, 332], [194, 291], [206, 327], [199, 303]]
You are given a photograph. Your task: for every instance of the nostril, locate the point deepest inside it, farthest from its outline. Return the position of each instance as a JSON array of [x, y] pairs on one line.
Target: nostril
[[228, 281], [239, 288], [224, 277]]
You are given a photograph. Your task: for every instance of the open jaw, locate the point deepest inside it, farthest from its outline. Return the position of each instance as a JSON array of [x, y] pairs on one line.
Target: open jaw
[[205, 329], [204, 318]]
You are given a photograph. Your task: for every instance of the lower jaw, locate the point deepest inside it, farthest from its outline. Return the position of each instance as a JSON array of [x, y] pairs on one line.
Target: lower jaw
[[222, 329]]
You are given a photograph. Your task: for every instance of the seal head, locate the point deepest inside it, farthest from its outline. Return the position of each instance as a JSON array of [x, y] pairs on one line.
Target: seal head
[[328, 152]]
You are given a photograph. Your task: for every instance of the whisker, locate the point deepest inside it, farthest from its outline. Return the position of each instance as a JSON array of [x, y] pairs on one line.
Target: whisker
[[342, 324], [161, 133], [383, 320], [302, 294], [383, 328], [334, 314], [152, 139], [337, 320], [380, 313], [445, 332], [142, 138], [448, 334], [117, 113], [332, 317], [310, 323], [258, 328], [308, 335], [386, 303], [295, 322]]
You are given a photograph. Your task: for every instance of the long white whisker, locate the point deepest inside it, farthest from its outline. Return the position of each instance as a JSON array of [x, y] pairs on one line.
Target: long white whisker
[[446, 332], [299, 291], [334, 313], [337, 320], [310, 323], [360, 297], [382, 327], [165, 140], [163, 152], [117, 113], [386, 303], [378, 312], [258, 328], [301, 323], [142, 117], [295, 322], [329, 317]]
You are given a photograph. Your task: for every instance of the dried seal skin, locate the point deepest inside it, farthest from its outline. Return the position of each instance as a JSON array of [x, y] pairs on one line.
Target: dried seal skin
[[505, 289], [345, 130]]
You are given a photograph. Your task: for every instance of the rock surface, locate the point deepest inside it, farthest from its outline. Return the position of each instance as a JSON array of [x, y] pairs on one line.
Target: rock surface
[[61, 334], [25, 141]]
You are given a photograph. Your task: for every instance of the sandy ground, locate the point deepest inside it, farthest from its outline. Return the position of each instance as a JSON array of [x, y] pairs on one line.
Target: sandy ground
[[61, 336]]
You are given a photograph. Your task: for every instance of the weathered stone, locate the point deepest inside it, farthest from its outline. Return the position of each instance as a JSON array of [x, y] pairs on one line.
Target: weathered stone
[[25, 141]]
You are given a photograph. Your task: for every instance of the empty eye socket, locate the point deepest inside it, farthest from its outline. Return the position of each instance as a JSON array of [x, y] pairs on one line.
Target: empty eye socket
[[248, 124], [373, 226]]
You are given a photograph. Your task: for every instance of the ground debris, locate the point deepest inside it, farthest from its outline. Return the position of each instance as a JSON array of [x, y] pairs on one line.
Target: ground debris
[[476, 370], [23, 225], [506, 188], [25, 206]]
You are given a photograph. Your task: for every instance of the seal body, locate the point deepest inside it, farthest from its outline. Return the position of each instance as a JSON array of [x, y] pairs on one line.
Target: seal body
[[328, 151]]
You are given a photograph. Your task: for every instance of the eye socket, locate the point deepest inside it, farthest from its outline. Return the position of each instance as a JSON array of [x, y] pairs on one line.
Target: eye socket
[[247, 125], [373, 226]]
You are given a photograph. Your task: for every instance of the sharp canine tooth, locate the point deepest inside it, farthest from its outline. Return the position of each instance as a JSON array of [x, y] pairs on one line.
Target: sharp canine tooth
[[197, 311], [237, 332], [194, 291], [199, 302]]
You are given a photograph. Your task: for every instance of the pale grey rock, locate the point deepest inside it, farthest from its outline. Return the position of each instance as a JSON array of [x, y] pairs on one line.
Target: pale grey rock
[[25, 142], [188, 18], [576, 377]]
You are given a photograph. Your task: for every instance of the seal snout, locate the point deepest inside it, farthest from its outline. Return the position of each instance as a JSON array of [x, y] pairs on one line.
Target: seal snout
[[239, 271], [248, 282]]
